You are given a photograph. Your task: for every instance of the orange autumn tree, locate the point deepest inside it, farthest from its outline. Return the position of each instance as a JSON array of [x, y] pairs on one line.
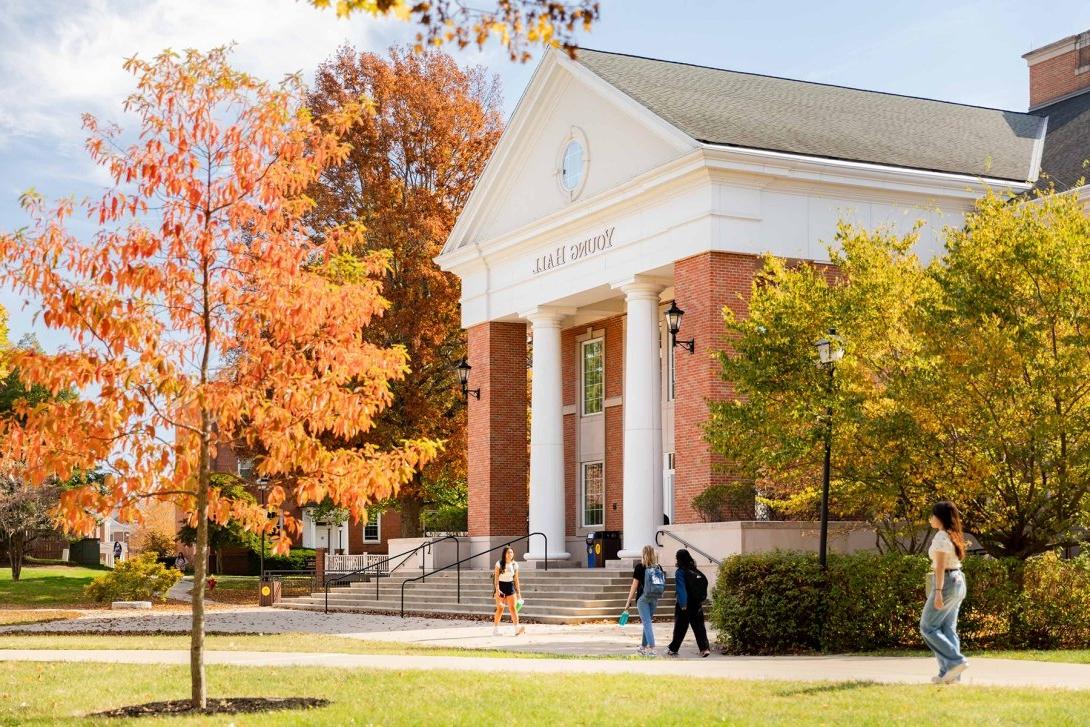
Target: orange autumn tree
[[204, 314], [413, 163]]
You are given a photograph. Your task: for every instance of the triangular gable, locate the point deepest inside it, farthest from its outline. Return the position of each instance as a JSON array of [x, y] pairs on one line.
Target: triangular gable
[[519, 184]]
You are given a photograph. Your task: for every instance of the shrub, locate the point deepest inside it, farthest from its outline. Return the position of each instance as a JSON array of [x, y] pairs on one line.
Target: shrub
[[447, 519], [870, 599], [720, 502], [781, 603], [294, 560], [768, 603], [137, 579], [1055, 602], [153, 540]]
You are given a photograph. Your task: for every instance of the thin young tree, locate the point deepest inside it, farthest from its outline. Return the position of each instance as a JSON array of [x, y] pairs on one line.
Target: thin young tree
[[201, 254]]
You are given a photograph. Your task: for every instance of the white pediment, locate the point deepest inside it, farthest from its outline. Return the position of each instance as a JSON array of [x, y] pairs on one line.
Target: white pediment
[[564, 100]]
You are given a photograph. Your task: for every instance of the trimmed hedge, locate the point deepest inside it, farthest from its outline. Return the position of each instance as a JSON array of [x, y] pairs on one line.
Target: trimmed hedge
[[782, 603]]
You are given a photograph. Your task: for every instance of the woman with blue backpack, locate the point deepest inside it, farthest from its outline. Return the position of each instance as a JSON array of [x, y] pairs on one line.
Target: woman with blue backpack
[[692, 591], [648, 585]]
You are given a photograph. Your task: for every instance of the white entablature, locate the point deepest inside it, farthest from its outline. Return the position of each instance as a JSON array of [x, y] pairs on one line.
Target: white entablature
[[653, 195]]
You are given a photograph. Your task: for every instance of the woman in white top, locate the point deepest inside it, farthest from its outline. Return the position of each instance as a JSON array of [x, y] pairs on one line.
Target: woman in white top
[[505, 577], [945, 591]]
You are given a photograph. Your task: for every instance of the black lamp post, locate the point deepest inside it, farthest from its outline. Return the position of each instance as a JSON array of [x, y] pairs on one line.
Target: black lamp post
[[463, 377], [262, 487], [673, 325], [830, 350]]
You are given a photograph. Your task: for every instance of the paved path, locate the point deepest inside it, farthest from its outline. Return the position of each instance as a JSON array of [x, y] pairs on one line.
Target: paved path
[[891, 670], [606, 639]]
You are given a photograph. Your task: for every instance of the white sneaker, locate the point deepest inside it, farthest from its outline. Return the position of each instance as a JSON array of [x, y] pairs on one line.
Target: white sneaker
[[496, 631], [520, 631], [936, 679], [955, 673]]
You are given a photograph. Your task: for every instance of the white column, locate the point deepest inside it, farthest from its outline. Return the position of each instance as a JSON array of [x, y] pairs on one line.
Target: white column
[[642, 469], [546, 437]]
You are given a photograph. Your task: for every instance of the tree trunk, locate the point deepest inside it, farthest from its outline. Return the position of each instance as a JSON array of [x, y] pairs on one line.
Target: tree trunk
[[15, 554], [410, 518], [200, 568]]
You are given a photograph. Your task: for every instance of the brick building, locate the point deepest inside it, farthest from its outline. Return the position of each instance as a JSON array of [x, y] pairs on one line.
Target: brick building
[[623, 185], [350, 538]]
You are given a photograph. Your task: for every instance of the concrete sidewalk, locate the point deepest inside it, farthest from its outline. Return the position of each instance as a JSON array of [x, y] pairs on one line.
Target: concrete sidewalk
[[889, 670]]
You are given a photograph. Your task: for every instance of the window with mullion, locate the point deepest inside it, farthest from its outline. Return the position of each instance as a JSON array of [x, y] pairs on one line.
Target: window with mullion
[[593, 375], [594, 495], [371, 533]]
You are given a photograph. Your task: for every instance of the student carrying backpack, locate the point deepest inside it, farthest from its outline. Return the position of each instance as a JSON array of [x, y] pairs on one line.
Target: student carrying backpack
[[648, 585], [692, 591]]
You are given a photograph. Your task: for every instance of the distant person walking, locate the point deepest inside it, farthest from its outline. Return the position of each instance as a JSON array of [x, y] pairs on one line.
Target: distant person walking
[[692, 591], [505, 577], [648, 585], [117, 551], [945, 591]]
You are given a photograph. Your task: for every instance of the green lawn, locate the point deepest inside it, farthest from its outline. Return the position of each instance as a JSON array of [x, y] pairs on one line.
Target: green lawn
[[46, 586], [1067, 656], [58, 694], [328, 643], [248, 642]]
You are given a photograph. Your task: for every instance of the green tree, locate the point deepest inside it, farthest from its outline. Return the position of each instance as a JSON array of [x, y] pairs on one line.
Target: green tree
[[231, 534], [1009, 393], [26, 511], [968, 379]]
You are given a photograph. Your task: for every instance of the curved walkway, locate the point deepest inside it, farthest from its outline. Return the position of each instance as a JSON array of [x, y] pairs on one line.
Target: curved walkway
[[890, 670]]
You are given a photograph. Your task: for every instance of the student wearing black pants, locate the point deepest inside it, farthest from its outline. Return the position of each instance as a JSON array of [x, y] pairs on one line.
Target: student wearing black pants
[[692, 589]]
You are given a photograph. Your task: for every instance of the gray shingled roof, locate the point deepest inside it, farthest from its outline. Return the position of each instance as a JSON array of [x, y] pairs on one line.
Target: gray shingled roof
[[1067, 143], [778, 114]]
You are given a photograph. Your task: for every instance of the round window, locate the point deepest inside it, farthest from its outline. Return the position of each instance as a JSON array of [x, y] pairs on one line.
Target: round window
[[571, 166]]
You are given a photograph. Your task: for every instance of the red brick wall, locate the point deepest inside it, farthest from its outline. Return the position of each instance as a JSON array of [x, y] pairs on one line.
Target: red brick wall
[[499, 459], [614, 460], [390, 527], [569, 353], [703, 286], [1050, 79], [614, 434]]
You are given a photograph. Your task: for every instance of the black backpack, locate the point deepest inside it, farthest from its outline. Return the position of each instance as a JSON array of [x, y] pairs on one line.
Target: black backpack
[[696, 587]]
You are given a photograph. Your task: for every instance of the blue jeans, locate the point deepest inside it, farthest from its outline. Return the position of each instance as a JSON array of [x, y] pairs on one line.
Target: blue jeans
[[646, 607], [939, 626]]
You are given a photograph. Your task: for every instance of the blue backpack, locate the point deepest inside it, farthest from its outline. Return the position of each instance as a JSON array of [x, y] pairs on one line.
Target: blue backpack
[[654, 582]]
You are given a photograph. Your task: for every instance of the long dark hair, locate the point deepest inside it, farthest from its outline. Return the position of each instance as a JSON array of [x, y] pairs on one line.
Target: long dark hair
[[503, 558], [685, 560], [948, 515]]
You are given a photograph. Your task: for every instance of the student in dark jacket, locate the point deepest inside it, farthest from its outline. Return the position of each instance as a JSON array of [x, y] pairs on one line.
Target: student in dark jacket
[[692, 589]]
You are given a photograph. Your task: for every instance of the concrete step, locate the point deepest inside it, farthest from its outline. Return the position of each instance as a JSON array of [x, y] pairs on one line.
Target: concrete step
[[538, 603], [529, 613]]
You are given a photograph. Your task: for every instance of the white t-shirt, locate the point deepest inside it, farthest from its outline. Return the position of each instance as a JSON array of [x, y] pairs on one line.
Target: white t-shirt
[[508, 574], [941, 543]]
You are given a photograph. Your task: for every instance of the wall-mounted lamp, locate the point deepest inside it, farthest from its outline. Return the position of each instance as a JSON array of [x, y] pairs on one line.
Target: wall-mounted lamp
[[673, 324], [463, 377]]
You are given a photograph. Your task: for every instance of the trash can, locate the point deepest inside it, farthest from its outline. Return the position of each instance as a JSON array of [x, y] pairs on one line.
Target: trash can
[[602, 545], [269, 592], [592, 557]]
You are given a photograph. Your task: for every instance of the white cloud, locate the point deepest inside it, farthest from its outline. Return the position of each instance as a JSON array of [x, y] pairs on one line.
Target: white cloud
[[60, 58]]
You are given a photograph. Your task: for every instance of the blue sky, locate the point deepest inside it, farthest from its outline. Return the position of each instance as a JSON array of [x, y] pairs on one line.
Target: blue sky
[[62, 58]]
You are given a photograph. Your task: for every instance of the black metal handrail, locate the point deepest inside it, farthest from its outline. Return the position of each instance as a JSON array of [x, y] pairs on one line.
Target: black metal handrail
[[356, 574], [459, 562], [686, 543]]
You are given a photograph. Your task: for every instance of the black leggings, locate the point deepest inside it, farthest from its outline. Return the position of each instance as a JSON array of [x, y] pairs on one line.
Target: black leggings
[[683, 619]]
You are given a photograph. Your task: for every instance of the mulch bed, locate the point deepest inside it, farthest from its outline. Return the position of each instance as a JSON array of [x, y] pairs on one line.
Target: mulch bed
[[231, 705]]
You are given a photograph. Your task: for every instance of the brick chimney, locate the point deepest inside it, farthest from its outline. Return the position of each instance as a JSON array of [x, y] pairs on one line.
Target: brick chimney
[[1059, 70]]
